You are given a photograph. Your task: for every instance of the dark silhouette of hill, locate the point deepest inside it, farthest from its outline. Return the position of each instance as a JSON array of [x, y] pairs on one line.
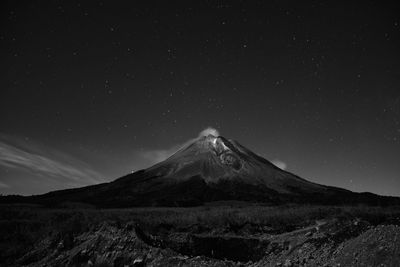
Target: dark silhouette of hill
[[209, 169]]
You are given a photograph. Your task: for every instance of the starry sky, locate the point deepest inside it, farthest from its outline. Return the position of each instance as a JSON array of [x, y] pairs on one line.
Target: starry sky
[[91, 91]]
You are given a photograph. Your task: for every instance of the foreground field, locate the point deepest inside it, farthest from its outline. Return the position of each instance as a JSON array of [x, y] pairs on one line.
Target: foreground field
[[227, 234]]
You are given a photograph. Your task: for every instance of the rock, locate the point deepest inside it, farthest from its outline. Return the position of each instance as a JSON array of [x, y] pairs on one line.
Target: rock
[[60, 245], [288, 263], [138, 262]]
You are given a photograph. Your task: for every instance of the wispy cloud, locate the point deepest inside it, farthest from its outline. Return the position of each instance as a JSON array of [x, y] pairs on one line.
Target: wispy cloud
[[41, 160], [3, 185], [158, 155], [280, 164]]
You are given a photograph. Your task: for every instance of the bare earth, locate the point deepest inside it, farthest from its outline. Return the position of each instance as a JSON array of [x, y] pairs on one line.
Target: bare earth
[[334, 241]]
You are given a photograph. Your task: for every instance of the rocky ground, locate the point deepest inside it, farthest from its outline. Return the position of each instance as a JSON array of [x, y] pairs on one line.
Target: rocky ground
[[326, 243], [230, 234]]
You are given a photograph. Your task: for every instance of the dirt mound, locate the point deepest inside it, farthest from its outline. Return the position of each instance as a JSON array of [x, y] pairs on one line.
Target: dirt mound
[[379, 246], [109, 246], [347, 241]]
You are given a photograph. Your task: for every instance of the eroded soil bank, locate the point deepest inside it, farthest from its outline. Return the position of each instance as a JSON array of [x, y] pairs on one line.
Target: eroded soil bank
[[339, 240]]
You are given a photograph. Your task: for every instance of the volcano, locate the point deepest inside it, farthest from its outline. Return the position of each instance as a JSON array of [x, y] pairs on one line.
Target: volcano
[[211, 168]]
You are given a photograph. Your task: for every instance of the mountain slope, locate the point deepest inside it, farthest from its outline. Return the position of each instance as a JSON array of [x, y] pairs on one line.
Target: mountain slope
[[209, 169]]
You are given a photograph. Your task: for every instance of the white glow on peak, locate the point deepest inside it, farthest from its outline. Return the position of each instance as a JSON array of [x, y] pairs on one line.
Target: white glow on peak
[[209, 131], [214, 141], [224, 146]]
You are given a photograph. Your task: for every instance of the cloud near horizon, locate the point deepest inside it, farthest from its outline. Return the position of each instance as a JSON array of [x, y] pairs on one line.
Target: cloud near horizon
[[280, 164], [41, 160]]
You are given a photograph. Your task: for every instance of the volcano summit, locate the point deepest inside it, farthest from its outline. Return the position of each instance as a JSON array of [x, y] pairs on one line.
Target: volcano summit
[[217, 160], [211, 168]]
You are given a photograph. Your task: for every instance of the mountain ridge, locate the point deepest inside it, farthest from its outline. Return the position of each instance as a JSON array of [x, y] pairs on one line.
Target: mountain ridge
[[211, 168]]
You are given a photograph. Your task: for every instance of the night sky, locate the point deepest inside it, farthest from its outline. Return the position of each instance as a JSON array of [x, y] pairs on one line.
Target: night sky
[[93, 91]]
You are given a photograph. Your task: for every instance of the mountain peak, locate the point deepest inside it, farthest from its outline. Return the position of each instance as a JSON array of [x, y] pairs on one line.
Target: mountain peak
[[215, 159], [210, 168], [215, 143]]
